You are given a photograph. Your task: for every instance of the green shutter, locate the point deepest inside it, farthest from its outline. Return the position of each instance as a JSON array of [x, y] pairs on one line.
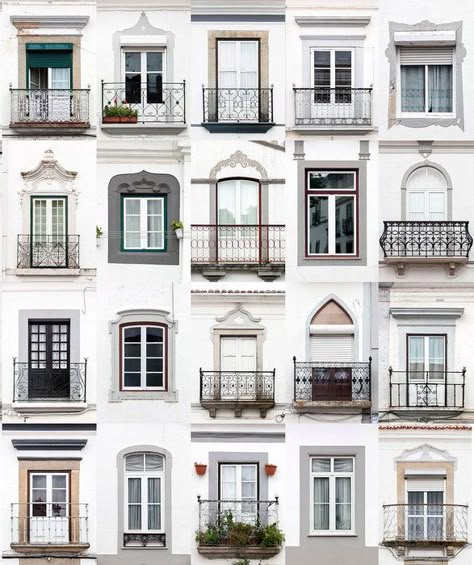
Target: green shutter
[[49, 55]]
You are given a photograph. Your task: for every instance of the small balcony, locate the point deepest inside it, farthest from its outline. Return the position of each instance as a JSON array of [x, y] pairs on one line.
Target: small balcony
[[40, 527], [236, 390], [217, 248], [244, 529], [417, 526], [52, 382], [332, 385], [128, 107], [48, 252], [427, 391], [237, 110], [49, 108], [322, 109], [426, 243]]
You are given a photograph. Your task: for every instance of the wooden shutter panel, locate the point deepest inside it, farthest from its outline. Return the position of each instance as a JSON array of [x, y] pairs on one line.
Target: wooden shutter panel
[[332, 348], [426, 55]]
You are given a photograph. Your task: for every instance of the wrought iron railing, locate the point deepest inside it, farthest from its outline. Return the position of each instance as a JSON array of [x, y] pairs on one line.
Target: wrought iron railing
[[425, 523], [237, 244], [322, 106], [427, 389], [237, 386], [49, 523], [426, 239], [48, 251], [57, 381], [137, 539], [129, 103], [55, 107], [328, 382], [235, 105]]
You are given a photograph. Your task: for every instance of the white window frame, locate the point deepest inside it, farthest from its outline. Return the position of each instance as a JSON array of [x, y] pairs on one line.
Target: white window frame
[[143, 51], [144, 476], [238, 67], [238, 479], [143, 223], [332, 495], [332, 65], [143, 357], [426, 362]]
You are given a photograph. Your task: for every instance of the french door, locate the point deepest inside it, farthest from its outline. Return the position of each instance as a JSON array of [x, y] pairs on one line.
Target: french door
[[49, 508], [49, 232], [425, 515], [238, 354], [426, 369], [239, 483], [332, 80], [50, 98], [144, 73], [49, 360]]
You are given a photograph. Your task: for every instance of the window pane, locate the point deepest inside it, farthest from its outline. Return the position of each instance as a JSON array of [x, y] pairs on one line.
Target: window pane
[[132, 365], [154, 379], [228, 482], [134, 490], [154, 350], [155, 206], [322, 58], [343, 503], [440, 88], [154, 335], [436, 358], [249, 472], [134, 462], [154, 493], [335, 181], [413, 88], [132, 62], [153, 462], [416, 357], [154, 365], [154, 61], [318, 224], [132, 335], [248, 203], [343, 465], [321, 503], [39, 481], [131, 379], [59, 481], [344, 224], [321, 465]]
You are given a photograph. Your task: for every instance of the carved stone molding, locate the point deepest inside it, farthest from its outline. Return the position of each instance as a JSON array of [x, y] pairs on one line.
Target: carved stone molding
[[238, 317], [238, 159]]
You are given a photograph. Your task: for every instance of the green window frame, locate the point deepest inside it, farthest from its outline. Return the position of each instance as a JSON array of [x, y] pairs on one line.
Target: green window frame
[[135, 209]]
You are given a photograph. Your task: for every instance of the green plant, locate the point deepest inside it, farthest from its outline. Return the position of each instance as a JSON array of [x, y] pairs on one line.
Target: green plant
[[119, 112], [211, 536], [271, 536], [226, 531], [239, 534], [176, 225], [99, 232], [241, 562]]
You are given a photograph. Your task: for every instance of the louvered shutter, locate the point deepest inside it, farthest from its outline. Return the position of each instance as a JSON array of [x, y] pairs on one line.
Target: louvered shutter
[[426, 55], [332, 348], [425, 484]]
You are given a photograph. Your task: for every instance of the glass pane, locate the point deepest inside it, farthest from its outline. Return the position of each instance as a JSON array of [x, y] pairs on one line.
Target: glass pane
[[416, 357], [39, 495], [155, 206], [133, 62], [343, 58], [154, 365], [226, 196], [153, 462], [132, 365], [154, 379], [134, 462], [248, 203], [228, 482], [318, 224], [249, 472], [154, 335], [134, 517], [345, 224], [322, 58], [39, 481], [333, 181], [154, 61], [440, 88], [134, 490], [321, 503], [154, 491], [59, 481], [154, 517], [343, 465], [413, 88], [436, 358], [132, 206], [321, 465], [132, 334], [131, 379]]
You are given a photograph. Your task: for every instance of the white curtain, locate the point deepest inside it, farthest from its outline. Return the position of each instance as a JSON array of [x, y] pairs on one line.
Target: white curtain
[[413, 88], [437, 358], [154, 503], [343, 503], [416, 357], [134, 504], [248, 202], [227, 58], [321, 503], [440, 88], [155, 226], [248, 64]]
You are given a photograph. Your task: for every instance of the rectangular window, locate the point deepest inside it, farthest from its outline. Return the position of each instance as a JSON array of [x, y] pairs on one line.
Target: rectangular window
[[144, 223], [237, 63], [427, 358], [426, 80], [332, 75], [331, 213], [425, 510], [143, 360], [48, 219], [239, 482], [332, 495], [144, 73], [49, 508]]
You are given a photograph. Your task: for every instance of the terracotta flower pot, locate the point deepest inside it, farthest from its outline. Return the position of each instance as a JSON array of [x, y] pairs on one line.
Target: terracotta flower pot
[[200, 469], [270, 470], [119, 119]]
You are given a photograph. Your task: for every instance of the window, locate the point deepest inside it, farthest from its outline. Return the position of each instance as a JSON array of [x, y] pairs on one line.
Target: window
[[426, 195], [331, 213], [144, 493], [238, 353], [426, 78], [332, 495], [144, 221], [426, 368], [239, 482], [332, 75], [143, 357], [238, 202], [49, 66], [237, 63], [49, 508], [143, 74], [425, 510]]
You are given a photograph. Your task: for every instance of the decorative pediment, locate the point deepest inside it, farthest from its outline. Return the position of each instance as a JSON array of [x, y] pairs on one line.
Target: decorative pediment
[[238, 159], [49, 177], [425, 454], [239, 317], [143, 27], [144, 183]]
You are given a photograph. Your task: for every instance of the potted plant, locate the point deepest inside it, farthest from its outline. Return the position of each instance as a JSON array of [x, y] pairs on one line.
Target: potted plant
[[270, 469], [177, 227], [99, 232], [200, 469], [119, 114]]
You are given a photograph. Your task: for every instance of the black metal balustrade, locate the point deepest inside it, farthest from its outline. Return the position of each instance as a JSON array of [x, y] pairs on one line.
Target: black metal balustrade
[[49, 107], [322, 106], [237, 386], [237, 244], [48, 252], [144, 540], [140, 103], [49, 524], [426, 239], [237, 105], [331, 382], [57, 381], [427, 389], [425, 524]]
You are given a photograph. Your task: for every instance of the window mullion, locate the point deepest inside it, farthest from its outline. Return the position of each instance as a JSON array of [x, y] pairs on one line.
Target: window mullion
[[332, 224]]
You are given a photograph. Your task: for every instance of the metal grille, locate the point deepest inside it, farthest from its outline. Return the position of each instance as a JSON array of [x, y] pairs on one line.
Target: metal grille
[[144, 540], [426, 239], [235, 386], [237, 105], [53, 107], [48, 251]]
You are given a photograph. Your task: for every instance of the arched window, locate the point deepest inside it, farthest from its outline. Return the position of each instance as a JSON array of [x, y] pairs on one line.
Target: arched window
[[332, 334], [426, 195], [238, 202]]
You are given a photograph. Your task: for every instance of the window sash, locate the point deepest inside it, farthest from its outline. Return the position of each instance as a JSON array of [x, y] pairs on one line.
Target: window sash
[[238, 63], [239, 481], [145, 503], [427, 90], [423, 363], [48, 218], [142, 232], [54, 504], [133, 87]]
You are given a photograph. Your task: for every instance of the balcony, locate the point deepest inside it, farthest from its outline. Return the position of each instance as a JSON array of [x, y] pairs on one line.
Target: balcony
[[417, 526], [42, 527], [244, 529], [57, 382], [323, 109], [425, 391], [48, 252], [406, 242], [48, 108], [144, 540], [237, 110], [217, 248], [332, 385], [236, 390], [131, 107]]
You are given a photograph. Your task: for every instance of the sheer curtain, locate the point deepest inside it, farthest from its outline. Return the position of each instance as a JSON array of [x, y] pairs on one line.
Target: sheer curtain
[[416, 357], [321, 503], [134, 504], [413, 88], [440, 88], [154, 503], [343, 503], [437, 358]]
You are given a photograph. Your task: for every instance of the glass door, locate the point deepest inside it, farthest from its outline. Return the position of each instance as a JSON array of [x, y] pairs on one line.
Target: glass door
[[49, 509], [426, 370], [239, 483], [144, 73], [49, 232], [425, 519], [238, 354]]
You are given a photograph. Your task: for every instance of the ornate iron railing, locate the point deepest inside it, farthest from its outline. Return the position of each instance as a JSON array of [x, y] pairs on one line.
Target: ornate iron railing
[[426, 239], [322, 106], [165, 103], [55, 107], [49, 523], [425, 523], [237, 244], [48, 251], [237, 105], [327, 382], [57, 381], [144, 540], [427, 389], [237, 386]]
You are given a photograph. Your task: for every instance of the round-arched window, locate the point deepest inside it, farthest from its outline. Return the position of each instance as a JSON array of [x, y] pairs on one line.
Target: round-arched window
[[426, 195]]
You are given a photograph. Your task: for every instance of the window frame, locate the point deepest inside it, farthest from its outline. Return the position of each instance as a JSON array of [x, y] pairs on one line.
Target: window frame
[[143, 388], [332, 70], [123, 198], [143, 51], [332, 193], [332, 475], [407, 364], [239, 464], [237, 179], [239, 40]]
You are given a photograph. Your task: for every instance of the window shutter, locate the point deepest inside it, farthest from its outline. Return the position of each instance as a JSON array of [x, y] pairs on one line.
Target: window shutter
[[426, 55], [425, 484], [332, 348]]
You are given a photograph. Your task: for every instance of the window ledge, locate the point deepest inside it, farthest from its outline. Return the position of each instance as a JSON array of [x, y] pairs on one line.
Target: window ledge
[[120, 395], [58, 272], [332, 535], [48, 549], [144, 128], [50, 407], [314, 129]]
